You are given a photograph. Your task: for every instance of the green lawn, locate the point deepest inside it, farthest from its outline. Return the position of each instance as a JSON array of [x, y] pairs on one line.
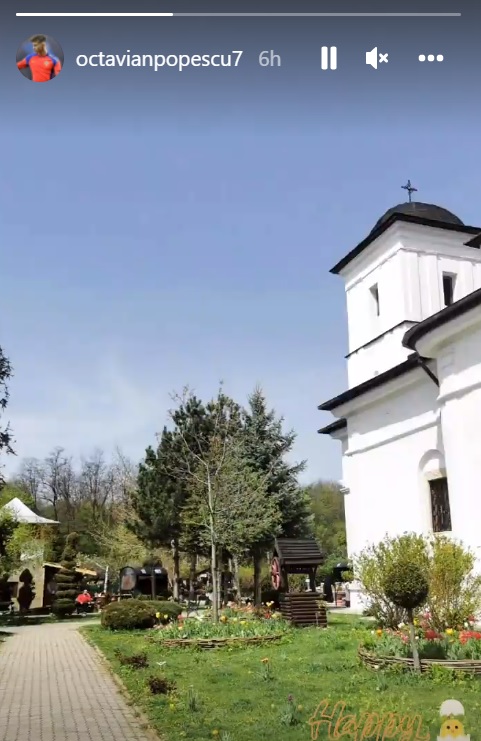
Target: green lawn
[[225, 693]]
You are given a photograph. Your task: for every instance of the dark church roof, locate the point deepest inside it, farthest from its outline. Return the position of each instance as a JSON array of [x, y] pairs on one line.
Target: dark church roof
[[423, 210], [423, 214]]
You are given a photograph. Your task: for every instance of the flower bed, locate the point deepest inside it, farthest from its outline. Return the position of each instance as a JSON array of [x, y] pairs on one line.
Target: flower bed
[[453, 649], [234, 623]]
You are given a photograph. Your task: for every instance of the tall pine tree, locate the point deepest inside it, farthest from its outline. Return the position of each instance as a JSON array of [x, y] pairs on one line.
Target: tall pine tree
[[155, 502], [266, 447]]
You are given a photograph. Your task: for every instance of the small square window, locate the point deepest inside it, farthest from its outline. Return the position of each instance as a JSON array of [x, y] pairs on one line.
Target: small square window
[[374, 290], [449, 282]]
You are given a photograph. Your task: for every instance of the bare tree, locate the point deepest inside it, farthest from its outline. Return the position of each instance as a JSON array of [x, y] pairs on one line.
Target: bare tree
[[31, 478], [59, 482], [125, 475], [96, 482]]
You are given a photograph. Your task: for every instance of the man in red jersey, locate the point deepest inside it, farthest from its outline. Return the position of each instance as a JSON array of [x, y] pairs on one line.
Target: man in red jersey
[[43, 65]]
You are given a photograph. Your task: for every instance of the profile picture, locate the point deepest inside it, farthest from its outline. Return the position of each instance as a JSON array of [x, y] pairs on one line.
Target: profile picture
[[40, 58]]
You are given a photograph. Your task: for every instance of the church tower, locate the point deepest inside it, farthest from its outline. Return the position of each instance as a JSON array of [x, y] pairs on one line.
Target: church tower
[[417, 259]]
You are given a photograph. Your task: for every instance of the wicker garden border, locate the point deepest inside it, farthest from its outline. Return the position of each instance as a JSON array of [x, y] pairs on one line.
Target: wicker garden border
[[209, 643], [370, 660]]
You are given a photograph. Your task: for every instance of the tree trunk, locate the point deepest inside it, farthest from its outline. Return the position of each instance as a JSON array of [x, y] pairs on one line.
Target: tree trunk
[[176, 575], [416, 662], [236, 578], [214, 570], [257, 577], [153, 584], [193, 565], [224, 578]]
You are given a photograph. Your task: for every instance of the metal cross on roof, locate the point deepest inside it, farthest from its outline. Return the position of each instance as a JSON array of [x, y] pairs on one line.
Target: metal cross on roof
[[410, 189]]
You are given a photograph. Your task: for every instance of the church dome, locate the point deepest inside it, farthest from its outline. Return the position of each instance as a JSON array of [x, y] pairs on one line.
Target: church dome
[[423, 210]]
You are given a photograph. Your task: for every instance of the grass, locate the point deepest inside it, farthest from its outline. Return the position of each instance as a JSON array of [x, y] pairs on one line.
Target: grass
[[231, 694]]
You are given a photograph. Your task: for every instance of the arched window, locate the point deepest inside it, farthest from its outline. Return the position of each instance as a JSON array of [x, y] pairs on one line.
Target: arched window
[[433, 470]]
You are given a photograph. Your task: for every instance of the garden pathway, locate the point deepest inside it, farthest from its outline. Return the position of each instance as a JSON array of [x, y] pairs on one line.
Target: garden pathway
[[54, 687]]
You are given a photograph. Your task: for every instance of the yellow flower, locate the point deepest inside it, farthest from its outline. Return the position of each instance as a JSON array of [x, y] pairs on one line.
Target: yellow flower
[[157, 615], [265, 661], [166, 617], [180, 627], [379, 632], [300, 707], [234, 620], [273, 707], [172, 706], [415, 621], [215, 732], [223, 618], [243, 622], [449, 631]]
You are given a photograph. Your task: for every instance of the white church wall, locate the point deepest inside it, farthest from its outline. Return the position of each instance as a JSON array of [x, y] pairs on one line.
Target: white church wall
[[428, 253], [405, 267], [379, 356], [459, 367], [384, 466]]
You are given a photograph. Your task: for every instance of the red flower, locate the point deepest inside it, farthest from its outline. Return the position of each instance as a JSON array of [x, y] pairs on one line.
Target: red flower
[[431, 635]]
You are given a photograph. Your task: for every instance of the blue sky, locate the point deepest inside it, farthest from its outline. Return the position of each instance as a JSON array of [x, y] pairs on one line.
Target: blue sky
[[146, 253]]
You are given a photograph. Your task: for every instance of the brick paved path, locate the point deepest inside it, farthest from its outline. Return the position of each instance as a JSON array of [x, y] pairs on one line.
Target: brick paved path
[[53, 687]]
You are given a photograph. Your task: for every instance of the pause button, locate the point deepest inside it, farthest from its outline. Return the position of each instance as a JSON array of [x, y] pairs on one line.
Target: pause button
[[329, 57]]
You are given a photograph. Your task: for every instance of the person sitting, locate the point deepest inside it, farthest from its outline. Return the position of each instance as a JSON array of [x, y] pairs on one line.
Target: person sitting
[[83, 601]]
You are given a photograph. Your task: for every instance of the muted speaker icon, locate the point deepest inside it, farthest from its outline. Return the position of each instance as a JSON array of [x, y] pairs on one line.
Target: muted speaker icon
[[373, 58]]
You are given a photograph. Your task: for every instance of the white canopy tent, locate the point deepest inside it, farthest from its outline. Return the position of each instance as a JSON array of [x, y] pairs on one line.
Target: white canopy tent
[[23, 514]]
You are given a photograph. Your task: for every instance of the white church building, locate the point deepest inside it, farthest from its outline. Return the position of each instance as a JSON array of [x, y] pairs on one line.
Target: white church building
[[410, 421]]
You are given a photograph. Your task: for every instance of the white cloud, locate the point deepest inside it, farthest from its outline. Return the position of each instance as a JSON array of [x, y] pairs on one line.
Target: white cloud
[[107, 410]]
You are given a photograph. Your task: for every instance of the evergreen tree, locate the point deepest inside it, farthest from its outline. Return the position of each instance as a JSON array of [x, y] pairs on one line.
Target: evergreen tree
[[267, 445], [155, 501], [67, 580], [55, 546]]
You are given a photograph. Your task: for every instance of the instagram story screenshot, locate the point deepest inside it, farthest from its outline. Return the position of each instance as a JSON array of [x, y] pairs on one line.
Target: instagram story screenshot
[[240, 370]]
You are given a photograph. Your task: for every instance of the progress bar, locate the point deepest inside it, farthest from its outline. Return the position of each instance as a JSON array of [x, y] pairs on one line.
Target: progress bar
[[238, 15]]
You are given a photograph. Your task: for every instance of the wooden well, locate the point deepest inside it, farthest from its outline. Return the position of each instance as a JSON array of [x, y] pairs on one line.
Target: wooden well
[[298, 556]]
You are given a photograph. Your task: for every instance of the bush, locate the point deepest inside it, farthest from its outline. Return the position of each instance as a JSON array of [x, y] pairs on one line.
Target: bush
[[406, 585], [375, 562], [172, 609], [129, 614], [454, 590], [454, 595]]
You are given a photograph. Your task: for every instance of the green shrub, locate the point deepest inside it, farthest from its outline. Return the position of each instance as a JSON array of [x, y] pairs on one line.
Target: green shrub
[[172, 609], [129, 614], [454, 588], [406, 585], [454, 595], [373, 564]]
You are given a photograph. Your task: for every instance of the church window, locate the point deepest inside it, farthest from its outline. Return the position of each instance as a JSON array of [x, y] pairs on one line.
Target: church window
[[375, 298], [440, 509], [448, 288]]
